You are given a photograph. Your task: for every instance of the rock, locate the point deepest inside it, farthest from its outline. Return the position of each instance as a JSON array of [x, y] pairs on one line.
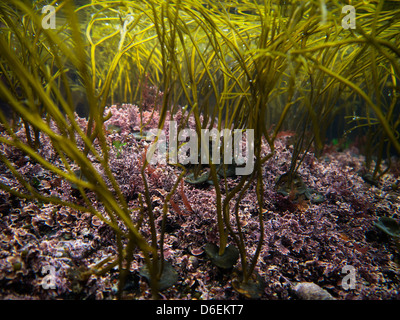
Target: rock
[[201, 179], [311, 291], [147, 136], [389, 225]]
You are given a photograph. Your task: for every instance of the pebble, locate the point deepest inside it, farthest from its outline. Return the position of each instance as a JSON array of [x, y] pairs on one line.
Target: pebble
[[311, 291]]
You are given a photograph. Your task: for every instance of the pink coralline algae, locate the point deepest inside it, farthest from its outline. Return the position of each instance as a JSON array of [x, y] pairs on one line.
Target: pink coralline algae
[[304, 242]]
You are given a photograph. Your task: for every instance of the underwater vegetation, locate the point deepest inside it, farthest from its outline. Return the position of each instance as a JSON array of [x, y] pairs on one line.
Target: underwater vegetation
[[78, 101]]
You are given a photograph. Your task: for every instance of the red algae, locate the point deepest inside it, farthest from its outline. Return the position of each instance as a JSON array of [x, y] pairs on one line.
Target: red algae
[[303, 242]]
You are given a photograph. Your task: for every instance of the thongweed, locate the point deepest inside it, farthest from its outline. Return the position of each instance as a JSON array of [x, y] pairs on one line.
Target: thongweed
[[249, 65]]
